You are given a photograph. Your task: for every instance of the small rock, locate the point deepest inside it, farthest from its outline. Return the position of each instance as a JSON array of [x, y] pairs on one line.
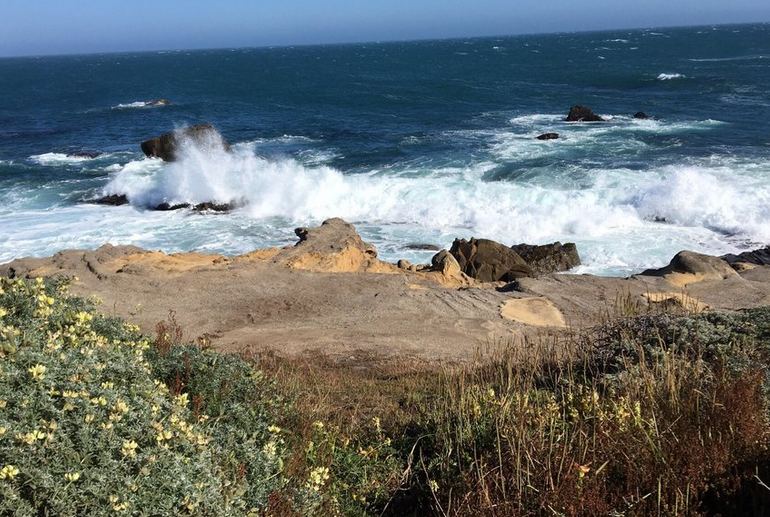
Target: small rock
[[548, 136], [582, 114], [111, 200], [85, 154], [404, 264], [641, 115]]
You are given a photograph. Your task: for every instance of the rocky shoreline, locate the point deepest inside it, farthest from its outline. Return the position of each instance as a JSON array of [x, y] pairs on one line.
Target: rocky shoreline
[[331, 292]]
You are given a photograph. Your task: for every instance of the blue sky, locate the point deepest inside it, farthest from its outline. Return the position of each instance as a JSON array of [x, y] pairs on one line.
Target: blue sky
[[33, 27]]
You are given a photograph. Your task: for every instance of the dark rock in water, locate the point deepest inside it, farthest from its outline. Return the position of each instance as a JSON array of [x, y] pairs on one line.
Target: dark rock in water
[[548, 136], [419, 246], [112, 200], [165, 207], [582, 114], [700, 266], [210, 206], [758, 257], [84, 154], [641, 115], [166, 145], [549, 258], [489, 261]]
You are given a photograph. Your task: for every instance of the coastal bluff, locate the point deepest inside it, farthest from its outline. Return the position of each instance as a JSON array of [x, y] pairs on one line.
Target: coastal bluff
[[331, 292]]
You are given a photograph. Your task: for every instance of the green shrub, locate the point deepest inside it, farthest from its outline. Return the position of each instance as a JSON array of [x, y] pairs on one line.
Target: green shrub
[[86, 428]]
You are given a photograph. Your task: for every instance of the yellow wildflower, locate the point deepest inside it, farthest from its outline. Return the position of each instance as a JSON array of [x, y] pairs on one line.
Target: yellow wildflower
[[318, 477], [72, 476], [129, 448], [8, 472], [89, 418], [274, 429], [3, 403], [3, 430], [37, 372]]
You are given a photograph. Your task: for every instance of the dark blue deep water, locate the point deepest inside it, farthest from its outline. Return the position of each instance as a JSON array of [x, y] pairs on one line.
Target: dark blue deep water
[[416, 142]]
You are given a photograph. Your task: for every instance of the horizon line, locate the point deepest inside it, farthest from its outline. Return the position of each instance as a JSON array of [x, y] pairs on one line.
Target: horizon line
[[377, 42]]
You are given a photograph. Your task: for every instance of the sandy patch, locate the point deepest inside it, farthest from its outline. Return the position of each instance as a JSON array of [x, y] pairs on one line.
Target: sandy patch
[[538, 312]]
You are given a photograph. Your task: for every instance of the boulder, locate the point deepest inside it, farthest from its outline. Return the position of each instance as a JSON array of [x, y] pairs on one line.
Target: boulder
[[549, 258], [166, 145], [582, 114], [489, 261], [548, 136], [641, 115], [688, 267]]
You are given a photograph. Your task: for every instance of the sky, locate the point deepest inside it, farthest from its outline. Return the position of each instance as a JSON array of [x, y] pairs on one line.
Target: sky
[[41, 27]]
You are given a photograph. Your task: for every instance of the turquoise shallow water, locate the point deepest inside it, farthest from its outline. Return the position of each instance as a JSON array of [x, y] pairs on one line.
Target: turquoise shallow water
[[414, 142]]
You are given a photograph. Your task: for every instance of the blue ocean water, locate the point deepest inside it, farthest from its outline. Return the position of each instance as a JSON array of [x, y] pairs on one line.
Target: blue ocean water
[[416, 142]]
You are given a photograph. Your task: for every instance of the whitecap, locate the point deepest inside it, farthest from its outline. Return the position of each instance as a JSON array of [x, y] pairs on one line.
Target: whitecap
[[669, 77]]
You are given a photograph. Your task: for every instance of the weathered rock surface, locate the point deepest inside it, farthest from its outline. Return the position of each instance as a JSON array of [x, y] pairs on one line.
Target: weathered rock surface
[[688, 267], [548, 136], [334, 247], [166, 146], [582, 114], [489, 261], [549, 258]]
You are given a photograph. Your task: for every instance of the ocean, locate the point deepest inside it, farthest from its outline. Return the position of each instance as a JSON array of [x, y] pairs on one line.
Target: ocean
[[413, 142]]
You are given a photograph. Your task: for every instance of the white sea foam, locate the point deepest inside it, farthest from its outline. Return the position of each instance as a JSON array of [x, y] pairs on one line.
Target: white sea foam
[[58, 159], [709, 206], [157, 103], [669, 77]]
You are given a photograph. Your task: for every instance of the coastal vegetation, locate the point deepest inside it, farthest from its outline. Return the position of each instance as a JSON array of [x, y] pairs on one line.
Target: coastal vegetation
[[658, 410]]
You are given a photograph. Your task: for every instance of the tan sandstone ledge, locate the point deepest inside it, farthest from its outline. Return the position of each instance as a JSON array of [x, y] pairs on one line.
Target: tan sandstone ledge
[[330, 292]]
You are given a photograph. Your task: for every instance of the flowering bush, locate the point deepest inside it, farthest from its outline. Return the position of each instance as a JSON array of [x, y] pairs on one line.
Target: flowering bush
[[87, 429]]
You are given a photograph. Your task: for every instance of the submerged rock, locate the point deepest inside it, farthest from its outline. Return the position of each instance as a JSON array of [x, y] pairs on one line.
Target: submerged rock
[[85, 154], [419, 246], [549, 258], [641, 115], [548, 136], [166, 145], [582, 114], [489, 261]]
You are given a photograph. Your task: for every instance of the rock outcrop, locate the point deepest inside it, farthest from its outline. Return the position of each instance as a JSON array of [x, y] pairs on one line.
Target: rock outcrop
[[549, 258], [489, 261], [548, 136], [748, 259], [641, 115], [333, 247], [166, 146], [688, 267], [582, 114]]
